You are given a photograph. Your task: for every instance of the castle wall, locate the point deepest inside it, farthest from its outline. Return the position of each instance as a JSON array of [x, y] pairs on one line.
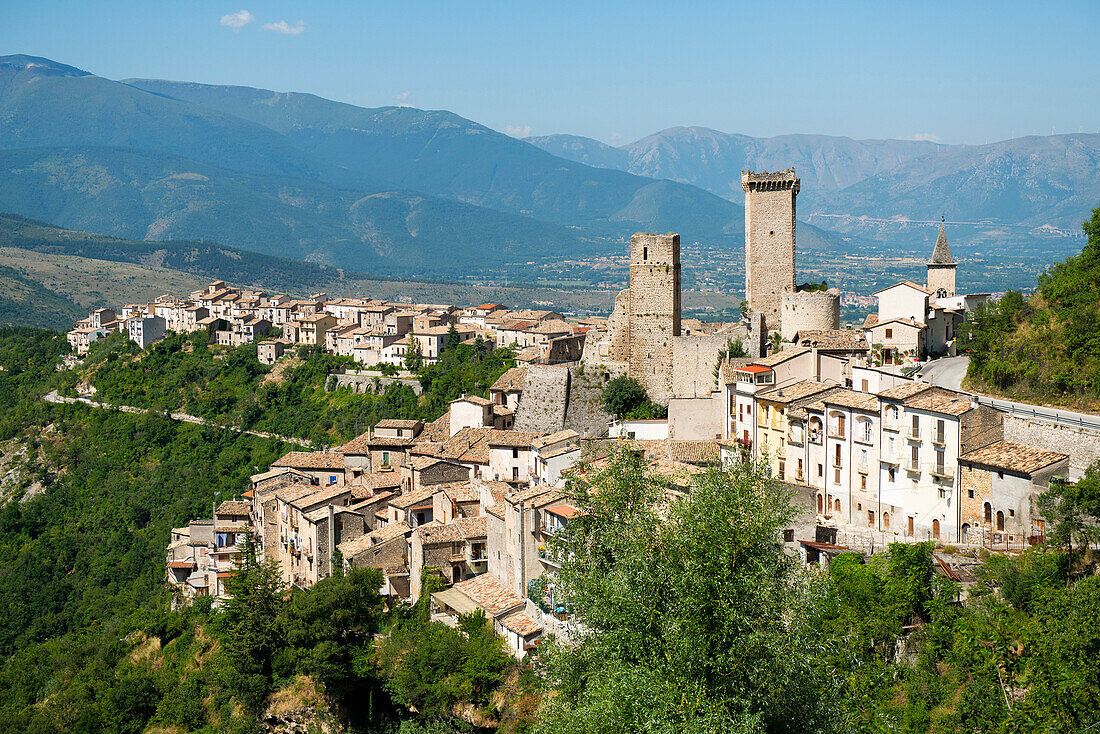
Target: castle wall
[[654, 314], [696, 419], [545, 396], [809, 310], [693, 361], [769, 240]]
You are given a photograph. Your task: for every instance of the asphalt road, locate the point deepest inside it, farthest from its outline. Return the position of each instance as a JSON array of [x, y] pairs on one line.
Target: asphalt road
[[53, 397], [950, 371]]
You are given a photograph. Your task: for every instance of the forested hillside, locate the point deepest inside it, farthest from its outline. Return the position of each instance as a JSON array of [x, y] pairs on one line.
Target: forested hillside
[[1045, 346], [694, 619]]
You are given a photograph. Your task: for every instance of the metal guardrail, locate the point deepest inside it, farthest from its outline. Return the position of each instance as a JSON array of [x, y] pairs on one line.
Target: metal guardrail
[[1052, 415]]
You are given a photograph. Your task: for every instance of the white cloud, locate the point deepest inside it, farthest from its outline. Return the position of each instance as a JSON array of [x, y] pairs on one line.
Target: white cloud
[[237, 20], [924, 137], [403, 99], [286, 28], [518, 131]]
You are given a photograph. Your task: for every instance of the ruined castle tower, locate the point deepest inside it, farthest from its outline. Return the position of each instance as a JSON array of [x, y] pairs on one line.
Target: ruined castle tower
[[941, 268], [769, 240], [654, 311]]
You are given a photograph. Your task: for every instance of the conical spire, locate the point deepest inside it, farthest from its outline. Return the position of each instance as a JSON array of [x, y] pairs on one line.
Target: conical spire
[[941, 255]]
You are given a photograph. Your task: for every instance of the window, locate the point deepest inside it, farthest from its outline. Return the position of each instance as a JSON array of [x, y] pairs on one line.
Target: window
[[863, 482], [645, 253], [987, 512], [819, 505], [782, 471], [820, 471], [889, 333], [836, 455], [915, 432], [385, 458], [970, 493], [940, 431], [836, 476], [836, 505], [1012, 513], [891, 473], [914, 459], [870, 518], [515, 453], [800, 468], [515, 473], [788, 535], [863, 385], [859, 505]]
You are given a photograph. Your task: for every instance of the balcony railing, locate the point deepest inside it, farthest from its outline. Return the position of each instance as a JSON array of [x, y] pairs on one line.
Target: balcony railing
[[943, 471], [891, 426], [912, 466], [913, 434], [939, 437]]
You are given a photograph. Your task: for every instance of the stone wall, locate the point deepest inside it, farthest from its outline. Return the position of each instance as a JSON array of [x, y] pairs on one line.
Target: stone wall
[[654, 311], [769, 240], [1082, 444], [364, 383], [544, 400], [809, 310], [941, 277], [565, 349], [697, 418], [693, 361], [584, 412]]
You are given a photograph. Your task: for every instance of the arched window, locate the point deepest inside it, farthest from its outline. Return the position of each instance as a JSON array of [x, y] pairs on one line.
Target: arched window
[[837, 427], [820, 505], [1000, 520], [836, 505], [988, 512], [864, 429], [815, 429], [964, 533], [892, 414], [936, 529]]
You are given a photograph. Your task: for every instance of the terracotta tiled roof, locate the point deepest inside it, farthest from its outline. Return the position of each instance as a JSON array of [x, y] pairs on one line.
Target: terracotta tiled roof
[[397, 423], [511, 380], [797, 391], [461, 492], [695, 452], [312, 460], [496, 510], [232, 507], [389, 532], [358, 446], [406, 501], [940, 400], [476, 400], [566, 435], [780, 357], [1013, 457], [490, 594], [515, 439], [904, 390], [871, 320], [473, 528], [468, 445], [380, 480], [521, 624], [853, 399], [433, 533]]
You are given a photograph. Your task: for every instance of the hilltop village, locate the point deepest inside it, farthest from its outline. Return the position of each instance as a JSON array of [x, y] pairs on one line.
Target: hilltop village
[[872, 454]]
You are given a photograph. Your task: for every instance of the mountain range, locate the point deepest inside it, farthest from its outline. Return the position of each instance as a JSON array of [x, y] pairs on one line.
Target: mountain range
[[1036, 185], [421, 193]]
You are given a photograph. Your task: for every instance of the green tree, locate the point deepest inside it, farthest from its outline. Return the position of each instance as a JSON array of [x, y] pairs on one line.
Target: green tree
[[251, 631], [414, 360], [452, 337], [1073, 511], [691, 618], [622, 395]]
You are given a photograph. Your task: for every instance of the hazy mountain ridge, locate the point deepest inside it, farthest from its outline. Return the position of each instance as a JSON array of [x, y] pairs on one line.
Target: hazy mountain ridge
[[1031, 181], [446, 155]]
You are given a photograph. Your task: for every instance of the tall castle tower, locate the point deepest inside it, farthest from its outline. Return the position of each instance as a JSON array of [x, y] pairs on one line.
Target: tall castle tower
[[654, 311], [941, 268], [769, 240]]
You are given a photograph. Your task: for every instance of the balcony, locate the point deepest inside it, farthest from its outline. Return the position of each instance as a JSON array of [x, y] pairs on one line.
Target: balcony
[[942, 471], [912, 466], [889, 459], [939, 438], [866, 438], [815, 437], [549, 557], [477, 561], [913, 434]]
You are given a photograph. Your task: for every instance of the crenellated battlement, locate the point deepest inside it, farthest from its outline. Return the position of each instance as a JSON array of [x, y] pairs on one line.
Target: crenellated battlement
[[765, 181]]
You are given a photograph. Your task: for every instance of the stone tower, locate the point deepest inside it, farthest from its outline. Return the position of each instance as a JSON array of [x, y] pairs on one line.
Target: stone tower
[[941, 268], [769, 240], [654, 311]]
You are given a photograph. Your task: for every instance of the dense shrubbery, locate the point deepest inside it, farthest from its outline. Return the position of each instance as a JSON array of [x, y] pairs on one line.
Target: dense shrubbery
[[625, 398], [1046, 346], [183, 373]]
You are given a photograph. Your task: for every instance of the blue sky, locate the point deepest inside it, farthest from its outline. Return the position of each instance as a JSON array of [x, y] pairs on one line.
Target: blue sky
[[958, 72]]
